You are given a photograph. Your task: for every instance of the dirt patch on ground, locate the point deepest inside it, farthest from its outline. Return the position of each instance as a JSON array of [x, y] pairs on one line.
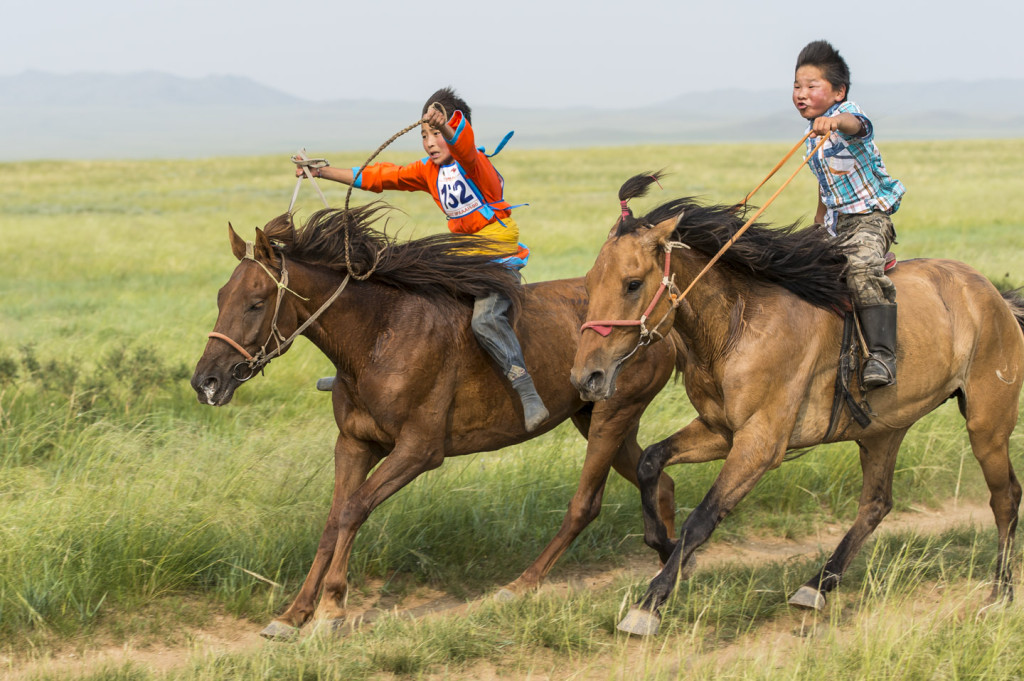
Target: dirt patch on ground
[[232, 635]]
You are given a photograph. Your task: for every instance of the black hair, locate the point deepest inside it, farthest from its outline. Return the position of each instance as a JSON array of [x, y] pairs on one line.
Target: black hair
[[450, 100], [833, 67]]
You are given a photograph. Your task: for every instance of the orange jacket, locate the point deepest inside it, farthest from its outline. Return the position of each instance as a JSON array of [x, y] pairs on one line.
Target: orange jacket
[[469, 190]]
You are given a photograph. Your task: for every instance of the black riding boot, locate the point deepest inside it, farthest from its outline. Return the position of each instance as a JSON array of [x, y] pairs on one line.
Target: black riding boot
[[878, 322]]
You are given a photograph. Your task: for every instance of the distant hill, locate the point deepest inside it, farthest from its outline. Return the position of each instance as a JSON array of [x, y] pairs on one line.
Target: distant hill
[[155, 115], [145, 90]]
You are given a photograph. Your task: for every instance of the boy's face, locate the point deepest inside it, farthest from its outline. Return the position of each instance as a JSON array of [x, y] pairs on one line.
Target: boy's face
[[812, 94], [435, 146]]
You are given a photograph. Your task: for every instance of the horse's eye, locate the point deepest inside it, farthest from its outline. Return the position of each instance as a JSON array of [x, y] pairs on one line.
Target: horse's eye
[[633, 286], [258, 305]]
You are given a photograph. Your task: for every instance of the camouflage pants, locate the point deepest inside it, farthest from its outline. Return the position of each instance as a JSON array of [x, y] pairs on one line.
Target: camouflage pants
[[866, 239]]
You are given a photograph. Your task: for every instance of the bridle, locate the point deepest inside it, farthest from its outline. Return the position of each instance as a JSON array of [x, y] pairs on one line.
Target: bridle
[[253, 364], [604, 327], [647, 335]]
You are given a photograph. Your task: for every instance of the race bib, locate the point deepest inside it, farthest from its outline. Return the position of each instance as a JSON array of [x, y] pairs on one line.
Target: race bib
[[457, 196]]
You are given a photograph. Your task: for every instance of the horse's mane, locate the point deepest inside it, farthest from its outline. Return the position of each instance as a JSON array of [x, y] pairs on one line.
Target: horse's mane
[[438, 266], [802, 260]]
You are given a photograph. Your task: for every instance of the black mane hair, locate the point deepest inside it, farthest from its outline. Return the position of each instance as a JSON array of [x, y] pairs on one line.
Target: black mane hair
[[802, 260], [439, 266]]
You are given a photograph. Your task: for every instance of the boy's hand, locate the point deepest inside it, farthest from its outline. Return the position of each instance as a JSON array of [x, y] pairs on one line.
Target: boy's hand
[[437, 120], [824, 126], [845, 123]]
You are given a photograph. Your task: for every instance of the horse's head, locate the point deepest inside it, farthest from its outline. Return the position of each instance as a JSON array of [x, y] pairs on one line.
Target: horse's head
[[249, 323], [630, 304]]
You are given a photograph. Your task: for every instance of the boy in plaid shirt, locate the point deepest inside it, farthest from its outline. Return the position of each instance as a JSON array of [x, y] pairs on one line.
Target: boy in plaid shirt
[[855, 199]]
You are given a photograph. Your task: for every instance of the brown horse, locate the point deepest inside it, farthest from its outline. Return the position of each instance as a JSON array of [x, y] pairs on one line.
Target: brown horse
[[763, 339], [412, 384]]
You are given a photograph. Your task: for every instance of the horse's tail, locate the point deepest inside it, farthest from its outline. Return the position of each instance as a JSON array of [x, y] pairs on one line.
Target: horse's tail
[[1015, 301]]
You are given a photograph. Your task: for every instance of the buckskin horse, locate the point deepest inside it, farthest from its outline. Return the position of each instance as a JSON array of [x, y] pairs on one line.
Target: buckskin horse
[[763, 334], [412, 384]]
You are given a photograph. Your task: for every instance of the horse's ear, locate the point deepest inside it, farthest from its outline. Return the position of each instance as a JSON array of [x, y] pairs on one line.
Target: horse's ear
[[663, 231], [263, 250], [614, 230], [237, 243]]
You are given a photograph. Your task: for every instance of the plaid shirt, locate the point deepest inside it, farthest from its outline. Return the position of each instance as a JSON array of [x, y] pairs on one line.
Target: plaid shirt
[[850, 172]]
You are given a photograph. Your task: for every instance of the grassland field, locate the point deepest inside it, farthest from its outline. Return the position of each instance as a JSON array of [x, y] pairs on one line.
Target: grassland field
[[130, 512]]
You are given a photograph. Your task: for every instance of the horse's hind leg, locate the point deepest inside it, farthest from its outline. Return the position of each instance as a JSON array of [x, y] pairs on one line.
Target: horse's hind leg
[[991, 413], [877, 462]]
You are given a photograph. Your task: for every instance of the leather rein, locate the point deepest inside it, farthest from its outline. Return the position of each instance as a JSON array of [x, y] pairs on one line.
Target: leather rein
[[253, 364], [604, 327]]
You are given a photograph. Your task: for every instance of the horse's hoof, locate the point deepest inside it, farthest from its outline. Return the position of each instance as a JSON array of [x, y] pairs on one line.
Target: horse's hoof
[[640, 622], [504, 595], [808, 598], [279, 631]]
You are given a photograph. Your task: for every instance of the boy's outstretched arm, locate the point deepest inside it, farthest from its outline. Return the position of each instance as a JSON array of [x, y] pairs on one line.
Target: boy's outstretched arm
[[846, 123], [343, 175]]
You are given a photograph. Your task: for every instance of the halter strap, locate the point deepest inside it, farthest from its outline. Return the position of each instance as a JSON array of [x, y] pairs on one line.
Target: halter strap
[[232, 343], [604, 327], [263, 356]]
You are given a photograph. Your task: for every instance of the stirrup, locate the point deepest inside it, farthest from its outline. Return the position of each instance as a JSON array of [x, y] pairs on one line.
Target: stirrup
[[879, 379]]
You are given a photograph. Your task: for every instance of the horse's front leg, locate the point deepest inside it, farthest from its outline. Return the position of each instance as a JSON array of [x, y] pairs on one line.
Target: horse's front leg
[[412, 455], [353, 459], [695, 443], [754, 452]]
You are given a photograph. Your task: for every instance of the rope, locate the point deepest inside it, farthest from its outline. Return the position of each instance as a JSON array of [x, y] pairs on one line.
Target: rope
[[756, 215], [776, 168], [348, 194], [300, 159]]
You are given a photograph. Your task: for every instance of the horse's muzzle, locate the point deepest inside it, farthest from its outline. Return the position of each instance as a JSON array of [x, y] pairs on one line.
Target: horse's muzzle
[[594, 384], [213, 390]]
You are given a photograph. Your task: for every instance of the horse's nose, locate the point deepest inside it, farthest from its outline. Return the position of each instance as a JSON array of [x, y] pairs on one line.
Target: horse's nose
[[591, 385], [205, 387]]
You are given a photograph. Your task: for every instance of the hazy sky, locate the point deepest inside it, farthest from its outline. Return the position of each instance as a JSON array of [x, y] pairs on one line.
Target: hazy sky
[[515, 52]]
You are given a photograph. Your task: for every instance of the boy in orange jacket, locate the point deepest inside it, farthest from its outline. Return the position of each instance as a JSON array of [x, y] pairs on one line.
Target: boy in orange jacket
[[469, 190]]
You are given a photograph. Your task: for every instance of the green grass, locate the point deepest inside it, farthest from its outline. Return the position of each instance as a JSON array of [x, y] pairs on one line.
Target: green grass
[[912, 607], [121, 497]]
